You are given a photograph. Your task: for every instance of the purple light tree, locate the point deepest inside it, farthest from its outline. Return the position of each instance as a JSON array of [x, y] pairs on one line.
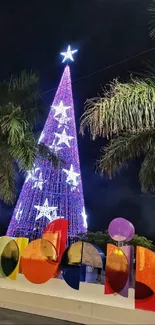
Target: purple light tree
[[49, 193]]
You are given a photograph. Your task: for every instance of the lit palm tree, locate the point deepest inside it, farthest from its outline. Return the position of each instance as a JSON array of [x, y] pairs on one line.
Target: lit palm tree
[[20, 104], [125, 114]]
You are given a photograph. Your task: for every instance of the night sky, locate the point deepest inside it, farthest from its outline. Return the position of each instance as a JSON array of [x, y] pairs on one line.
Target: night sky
[[32, 35]]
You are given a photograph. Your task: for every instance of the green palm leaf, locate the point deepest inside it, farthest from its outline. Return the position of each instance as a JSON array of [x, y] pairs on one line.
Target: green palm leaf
[[129, 146], [12, 124], [23, 91], [147, 171], [20, 103], [7, 178], [126, 107], [24, 152], [23, 82]]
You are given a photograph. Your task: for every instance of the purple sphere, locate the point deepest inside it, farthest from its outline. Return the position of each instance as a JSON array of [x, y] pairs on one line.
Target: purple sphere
[[132, 232], [121, 229]]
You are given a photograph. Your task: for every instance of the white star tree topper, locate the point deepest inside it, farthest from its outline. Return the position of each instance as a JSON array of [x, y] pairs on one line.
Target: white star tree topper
[[72, 176], [61, 109], [45, 211], [68, 55], [64, 138]]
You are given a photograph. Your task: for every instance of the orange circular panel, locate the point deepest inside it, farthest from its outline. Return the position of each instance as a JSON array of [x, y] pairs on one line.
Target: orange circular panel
[[48, 250], [9, 256], [38, 263], [117, 270]]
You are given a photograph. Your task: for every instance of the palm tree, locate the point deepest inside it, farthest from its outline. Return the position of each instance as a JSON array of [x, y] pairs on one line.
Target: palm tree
[[20, 104], [125, 115]]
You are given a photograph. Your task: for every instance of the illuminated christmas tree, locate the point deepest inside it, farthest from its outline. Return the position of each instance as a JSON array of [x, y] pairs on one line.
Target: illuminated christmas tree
[[50, 193]]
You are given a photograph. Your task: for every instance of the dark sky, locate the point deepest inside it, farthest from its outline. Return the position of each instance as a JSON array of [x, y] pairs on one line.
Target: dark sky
[[32, 34]]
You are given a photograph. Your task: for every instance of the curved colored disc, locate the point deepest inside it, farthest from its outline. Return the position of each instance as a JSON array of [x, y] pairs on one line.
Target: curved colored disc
[[48, 250], [145, 267], [9, 256], [117, 270], [91, 256], [120, 229], [145, 279], [72, 255], [142, 291], [132, 232], [37, 261], [71, 265], [83, 269], [100, 252], [21, 243], [71, 276], [56, 233]]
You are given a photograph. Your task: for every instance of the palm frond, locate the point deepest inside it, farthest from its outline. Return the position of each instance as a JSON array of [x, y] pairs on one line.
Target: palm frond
[[7, 179], [12, 124], [20, 103], [24, 153], [147, 171], [45, 152], [149, 71], [25, 80], [125, 147], [152, 20], [24, 91], [126, 107]]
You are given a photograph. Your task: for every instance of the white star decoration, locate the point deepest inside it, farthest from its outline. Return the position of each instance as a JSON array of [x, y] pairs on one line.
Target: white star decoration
[[84, 217], [54, 147], [62, 121], [72, 177], [61, 109], [45, 210], [39, 183], [64, 138], [31, 174], [19, 212], [68, 55]]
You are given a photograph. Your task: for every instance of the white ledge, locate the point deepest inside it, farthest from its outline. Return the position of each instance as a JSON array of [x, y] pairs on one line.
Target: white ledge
[[56, 299]]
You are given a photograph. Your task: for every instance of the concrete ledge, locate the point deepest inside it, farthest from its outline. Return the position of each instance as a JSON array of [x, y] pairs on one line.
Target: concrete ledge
[[55, 299]]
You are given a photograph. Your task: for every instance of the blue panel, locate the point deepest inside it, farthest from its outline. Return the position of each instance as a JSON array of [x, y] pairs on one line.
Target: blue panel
[[83, 273], [71, 275]]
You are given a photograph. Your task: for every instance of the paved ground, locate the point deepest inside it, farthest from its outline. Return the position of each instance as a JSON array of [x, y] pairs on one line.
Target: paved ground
[[11, 317]]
